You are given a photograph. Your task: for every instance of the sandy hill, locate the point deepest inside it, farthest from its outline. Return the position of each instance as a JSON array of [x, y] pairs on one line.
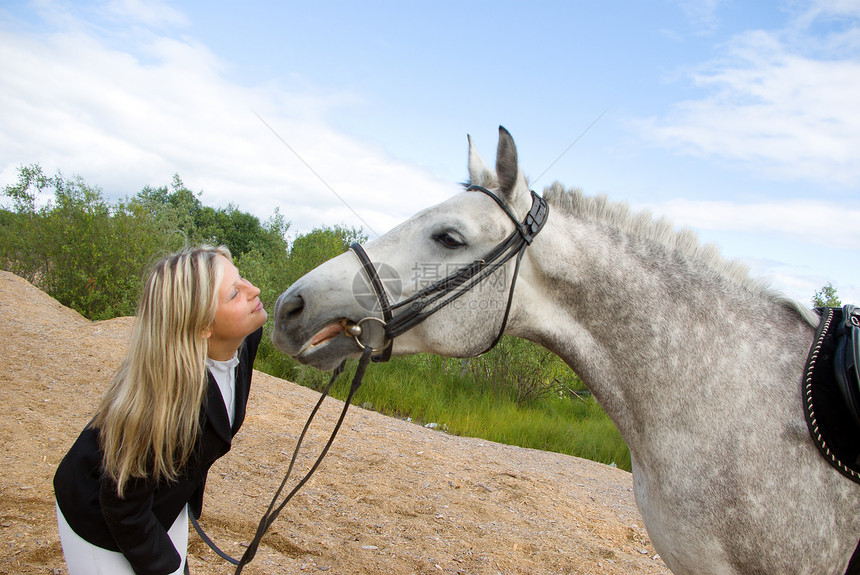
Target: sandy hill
[[391, 497]]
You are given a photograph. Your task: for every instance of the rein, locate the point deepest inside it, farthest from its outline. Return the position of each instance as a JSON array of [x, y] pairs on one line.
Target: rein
[[415, 309], [272, 512], [420, 306]]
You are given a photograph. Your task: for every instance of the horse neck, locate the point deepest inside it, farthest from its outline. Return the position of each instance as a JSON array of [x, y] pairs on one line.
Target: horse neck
[[642, 324]]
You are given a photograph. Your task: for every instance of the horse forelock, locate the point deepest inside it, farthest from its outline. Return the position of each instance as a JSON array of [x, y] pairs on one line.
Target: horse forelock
[[485, 178], [619, 216]]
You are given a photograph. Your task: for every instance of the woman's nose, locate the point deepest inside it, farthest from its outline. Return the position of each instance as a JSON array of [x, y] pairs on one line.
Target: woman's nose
[[254, 290]]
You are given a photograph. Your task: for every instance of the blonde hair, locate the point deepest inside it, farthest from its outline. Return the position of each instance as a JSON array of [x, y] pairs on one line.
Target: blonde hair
[[149, 417]]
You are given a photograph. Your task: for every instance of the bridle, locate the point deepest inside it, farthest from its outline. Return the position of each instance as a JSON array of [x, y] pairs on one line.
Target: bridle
[[412, 311], [406, 314]]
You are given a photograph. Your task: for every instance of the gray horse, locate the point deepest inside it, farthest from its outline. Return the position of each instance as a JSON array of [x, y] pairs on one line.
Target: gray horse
[[698, 366]]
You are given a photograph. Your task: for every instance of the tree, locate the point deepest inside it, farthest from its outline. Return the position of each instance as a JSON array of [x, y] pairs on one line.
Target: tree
[[320, 245], [184, 214], [76, 247], [91, 255], [826, 297], [19, 249]]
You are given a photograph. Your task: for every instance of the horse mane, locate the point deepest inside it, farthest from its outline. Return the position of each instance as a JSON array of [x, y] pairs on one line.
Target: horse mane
[[643, 224]]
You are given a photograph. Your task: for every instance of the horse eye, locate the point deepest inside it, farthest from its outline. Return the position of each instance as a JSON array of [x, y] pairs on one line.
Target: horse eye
[[450, 240]]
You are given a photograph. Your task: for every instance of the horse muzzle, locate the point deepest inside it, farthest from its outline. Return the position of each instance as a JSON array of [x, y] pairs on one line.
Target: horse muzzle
[[320, 340]]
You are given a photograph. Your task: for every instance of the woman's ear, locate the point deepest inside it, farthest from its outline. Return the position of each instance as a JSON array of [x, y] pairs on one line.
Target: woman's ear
[[207, 333]]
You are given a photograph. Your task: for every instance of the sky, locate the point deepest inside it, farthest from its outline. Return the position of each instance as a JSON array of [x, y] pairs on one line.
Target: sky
[[739, 120]]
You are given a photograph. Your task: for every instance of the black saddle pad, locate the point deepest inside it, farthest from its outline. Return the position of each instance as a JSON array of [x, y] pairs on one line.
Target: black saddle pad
[[831, 402]]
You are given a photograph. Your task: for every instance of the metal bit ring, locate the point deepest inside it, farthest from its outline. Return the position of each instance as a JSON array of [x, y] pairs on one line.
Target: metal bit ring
[[354, 330]]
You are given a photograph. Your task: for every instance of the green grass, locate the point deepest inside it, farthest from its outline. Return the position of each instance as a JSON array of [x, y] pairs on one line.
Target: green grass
[[433, 389]]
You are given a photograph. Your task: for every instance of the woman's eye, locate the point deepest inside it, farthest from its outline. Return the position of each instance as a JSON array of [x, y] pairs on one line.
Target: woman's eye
[[450, 240]]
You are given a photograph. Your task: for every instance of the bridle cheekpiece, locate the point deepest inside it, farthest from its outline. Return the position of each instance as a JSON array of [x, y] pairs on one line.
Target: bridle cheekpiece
[[426, 302]]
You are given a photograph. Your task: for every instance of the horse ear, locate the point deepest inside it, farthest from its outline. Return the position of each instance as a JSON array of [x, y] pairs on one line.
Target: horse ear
[[479, 173], [508, 167]]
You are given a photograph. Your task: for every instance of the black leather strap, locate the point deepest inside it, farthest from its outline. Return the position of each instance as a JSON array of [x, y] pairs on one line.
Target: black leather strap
[[846, 359], [426, 302], [208, 542], [376, 283], [831, 425], [273, 511], [854, 564]]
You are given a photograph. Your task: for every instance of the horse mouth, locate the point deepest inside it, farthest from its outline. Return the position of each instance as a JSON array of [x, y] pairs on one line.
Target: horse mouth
[[327, 347], [329, 340], [330, 344], [325, 335]]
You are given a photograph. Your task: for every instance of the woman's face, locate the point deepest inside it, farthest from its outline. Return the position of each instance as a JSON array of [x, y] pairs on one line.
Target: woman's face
[[239, 313]]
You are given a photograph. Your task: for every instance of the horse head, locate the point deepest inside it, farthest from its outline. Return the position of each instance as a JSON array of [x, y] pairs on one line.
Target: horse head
[[333, 312]]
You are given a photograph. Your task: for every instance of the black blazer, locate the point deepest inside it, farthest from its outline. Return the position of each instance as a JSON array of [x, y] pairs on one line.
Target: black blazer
[[137, 524]]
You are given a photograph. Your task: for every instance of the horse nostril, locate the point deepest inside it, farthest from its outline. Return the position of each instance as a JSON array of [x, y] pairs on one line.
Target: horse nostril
[[289, 308]]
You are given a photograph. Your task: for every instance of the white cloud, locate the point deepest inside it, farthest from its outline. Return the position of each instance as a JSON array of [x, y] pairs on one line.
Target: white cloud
[[811, 221], [775, 107], [782, 103], [148, 12], [124, 119], [796, 245], [829, 9], [702, 14]]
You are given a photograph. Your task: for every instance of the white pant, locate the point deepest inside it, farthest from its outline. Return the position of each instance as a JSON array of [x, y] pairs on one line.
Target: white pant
[[84, 558]]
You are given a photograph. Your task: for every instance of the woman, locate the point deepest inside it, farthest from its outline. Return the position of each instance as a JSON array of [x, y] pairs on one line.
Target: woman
[[124, 489]]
